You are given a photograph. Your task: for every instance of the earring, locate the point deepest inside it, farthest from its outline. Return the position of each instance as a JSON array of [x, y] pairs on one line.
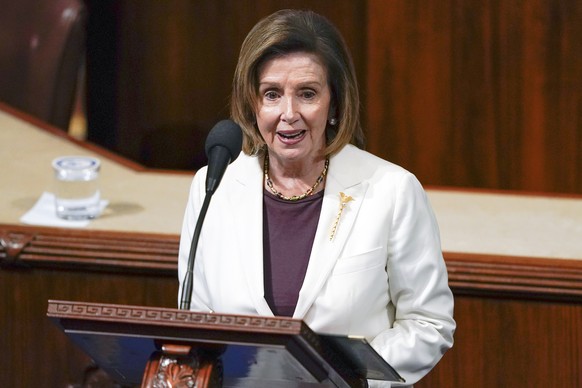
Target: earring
[[332, 121]]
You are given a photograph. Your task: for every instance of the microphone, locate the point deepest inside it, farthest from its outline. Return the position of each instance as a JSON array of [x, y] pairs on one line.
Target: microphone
[[223, 145]]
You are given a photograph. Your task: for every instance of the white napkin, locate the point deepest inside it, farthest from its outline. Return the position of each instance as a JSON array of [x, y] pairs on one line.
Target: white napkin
[[43, 213]]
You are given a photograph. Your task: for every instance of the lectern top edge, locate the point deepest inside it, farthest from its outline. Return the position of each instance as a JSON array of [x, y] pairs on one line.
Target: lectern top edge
[[170, 317]]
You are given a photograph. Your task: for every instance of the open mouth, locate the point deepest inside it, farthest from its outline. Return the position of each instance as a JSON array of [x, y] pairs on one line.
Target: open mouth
[[291, 135]]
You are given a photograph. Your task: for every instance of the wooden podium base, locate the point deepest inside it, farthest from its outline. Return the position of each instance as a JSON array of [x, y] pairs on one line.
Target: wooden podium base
[[179, 366]]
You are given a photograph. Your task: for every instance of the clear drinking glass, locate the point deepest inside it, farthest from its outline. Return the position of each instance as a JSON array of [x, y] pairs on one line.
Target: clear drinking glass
[[76, 187]]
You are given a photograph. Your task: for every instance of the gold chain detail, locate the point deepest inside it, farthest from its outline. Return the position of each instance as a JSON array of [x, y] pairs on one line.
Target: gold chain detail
[[293, 197]]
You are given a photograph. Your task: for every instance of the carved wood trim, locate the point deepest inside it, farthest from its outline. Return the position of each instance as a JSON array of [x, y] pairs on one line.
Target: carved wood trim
[[13, 243], [519, 277], [160, 316], [181, 366], [469, 273], [91, 250], [168, 370]]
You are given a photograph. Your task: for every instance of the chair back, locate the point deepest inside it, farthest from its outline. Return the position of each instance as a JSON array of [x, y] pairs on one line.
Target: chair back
[[42, 49]]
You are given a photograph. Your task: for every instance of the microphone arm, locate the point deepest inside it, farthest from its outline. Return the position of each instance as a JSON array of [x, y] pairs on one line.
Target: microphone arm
[[219, 159], [187, 286], [223, 145]]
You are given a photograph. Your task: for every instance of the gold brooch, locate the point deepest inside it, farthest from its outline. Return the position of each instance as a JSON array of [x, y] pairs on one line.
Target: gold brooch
[[344, 199]]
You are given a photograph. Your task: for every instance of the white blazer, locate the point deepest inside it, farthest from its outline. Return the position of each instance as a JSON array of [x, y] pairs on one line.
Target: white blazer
[[382, 275]]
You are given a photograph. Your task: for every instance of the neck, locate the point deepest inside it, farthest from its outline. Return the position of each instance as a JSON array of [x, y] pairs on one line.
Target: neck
[[303, 169], [292, 181]]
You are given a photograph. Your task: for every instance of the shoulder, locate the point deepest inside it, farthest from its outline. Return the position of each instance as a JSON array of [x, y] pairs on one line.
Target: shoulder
[[245, 161], [244, 173], [354, 163], [241, 166]]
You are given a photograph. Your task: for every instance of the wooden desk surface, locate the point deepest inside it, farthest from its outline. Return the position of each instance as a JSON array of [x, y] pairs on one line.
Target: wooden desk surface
[[509, 224], [146, 201], [139, 201]]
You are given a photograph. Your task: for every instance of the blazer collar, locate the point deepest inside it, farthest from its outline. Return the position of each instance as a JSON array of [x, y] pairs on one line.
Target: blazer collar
[[246, 200], [327, 247]]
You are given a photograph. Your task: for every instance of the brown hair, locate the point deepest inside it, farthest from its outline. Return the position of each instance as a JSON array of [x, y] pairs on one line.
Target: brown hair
[[289, 31]]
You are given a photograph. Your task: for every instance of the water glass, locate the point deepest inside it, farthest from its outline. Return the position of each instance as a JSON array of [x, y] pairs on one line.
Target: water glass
[[76, 187]]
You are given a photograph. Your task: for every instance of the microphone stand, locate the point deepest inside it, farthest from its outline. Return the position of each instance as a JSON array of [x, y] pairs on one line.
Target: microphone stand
[[219, 159], [187, 286]]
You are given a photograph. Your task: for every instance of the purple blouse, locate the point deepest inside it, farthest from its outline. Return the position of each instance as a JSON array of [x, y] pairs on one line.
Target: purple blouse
[[288, 234]]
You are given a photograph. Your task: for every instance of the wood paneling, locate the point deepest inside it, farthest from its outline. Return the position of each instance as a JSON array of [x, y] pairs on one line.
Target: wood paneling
[[511, 343], [478, 94], [78, 265], [170, 70], [35, 352], [518, 318], [463, 93]]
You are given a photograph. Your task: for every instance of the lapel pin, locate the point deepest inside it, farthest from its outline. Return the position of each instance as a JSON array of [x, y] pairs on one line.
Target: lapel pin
[[344, 199]]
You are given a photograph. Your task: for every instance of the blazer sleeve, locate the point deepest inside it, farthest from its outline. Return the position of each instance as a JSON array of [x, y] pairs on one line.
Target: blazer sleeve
[[421, 300]]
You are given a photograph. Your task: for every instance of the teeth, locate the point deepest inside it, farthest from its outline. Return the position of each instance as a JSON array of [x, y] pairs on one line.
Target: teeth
[[291, 136]]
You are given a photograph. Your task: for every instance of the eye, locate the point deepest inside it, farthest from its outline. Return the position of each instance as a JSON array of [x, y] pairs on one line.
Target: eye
[[271, 95], [308, 94]]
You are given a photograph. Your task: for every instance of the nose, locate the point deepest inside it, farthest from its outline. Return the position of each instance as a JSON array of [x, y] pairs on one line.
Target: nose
[[289, 113]]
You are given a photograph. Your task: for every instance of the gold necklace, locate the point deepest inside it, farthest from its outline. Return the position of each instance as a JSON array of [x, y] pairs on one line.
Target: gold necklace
[[293, 197]]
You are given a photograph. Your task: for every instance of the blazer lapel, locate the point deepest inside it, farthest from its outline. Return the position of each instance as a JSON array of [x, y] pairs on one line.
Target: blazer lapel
[[327, 248], [246, 200]]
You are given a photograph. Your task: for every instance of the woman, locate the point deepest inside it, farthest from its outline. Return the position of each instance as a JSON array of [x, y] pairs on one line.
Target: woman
[[306, 224]]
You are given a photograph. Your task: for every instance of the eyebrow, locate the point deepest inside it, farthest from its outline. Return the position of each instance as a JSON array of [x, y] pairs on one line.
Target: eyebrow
[[301, 85]]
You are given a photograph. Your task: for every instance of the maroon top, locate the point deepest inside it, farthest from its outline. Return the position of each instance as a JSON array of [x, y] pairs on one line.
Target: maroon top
[[288, 234]]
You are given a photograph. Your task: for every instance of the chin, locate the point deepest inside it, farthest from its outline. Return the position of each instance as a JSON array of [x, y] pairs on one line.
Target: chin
[[293, 154]]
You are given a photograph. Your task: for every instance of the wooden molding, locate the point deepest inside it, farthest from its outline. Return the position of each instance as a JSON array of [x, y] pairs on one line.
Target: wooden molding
[[89, 250], [521, 277], [85, 250], [172, 317]]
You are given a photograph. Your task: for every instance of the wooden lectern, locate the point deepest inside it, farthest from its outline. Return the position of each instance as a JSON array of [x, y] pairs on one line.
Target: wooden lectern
[[163, 347]]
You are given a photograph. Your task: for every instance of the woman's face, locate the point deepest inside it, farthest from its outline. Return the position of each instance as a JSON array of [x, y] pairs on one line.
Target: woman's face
[[293, 106]]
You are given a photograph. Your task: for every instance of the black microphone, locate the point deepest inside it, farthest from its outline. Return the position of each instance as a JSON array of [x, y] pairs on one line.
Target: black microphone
[[223, 145]]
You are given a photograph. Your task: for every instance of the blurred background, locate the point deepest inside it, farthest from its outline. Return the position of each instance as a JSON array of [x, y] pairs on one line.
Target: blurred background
[[463, 93], [467, 93]]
